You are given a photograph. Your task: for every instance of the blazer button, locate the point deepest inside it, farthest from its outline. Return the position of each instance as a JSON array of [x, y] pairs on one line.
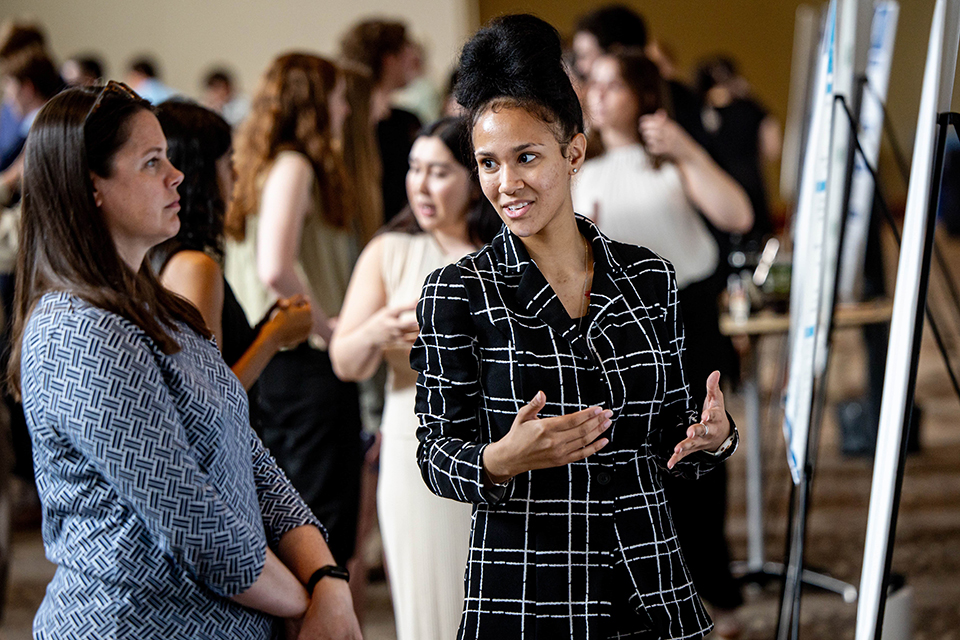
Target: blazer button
[[604, 478]]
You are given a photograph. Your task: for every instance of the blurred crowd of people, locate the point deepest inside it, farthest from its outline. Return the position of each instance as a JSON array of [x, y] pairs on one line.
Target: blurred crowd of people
[[311, 212]]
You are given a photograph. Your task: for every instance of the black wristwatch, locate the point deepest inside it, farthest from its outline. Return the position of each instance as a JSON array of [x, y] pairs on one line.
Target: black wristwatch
[[330, 570]]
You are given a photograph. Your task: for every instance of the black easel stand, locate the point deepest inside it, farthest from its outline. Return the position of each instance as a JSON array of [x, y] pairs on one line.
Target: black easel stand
[[944, 122], [937, 253], [788, 622]]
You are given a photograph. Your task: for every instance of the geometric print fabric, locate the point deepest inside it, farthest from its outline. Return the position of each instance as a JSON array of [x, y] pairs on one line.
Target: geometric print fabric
[[158, 499]]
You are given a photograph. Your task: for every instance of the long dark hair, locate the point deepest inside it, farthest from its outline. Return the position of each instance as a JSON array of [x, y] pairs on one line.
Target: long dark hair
[[517, 60], [642, 77], [196, 138], [65, 244], [483, 223]]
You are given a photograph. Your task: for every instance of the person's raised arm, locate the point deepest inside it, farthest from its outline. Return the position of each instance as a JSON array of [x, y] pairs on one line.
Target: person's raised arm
[[445, 356], [708, 187], [289, 324], [681, 432], [771, 140], [284, 203], [366, 325], [454, 461], [535, 443]]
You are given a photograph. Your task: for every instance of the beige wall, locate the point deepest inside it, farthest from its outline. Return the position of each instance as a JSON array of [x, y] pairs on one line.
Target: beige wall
[[759, 35], [187, 37]]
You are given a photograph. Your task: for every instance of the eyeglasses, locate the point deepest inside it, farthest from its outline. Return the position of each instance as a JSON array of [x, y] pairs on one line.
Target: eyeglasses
[[113, 88]]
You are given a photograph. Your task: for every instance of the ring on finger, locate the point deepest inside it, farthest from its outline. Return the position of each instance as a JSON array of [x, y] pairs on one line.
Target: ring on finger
[[706, 431]]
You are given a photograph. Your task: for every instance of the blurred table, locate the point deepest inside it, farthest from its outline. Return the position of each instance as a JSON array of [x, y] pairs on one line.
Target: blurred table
[[769, 323]]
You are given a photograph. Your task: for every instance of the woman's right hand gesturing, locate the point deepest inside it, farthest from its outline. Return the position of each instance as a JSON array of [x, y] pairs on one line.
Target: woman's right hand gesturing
[[542, 443]]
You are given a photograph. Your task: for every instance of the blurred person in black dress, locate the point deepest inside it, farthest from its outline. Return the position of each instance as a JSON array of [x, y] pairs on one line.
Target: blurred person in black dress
[[742, 137]]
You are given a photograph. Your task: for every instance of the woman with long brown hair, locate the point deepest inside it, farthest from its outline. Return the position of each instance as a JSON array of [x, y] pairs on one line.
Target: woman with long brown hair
[[292, 235], [162, 509], [360, 153]]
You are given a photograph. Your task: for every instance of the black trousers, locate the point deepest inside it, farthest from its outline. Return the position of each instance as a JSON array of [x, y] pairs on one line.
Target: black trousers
[[310, 422], [699, 507]]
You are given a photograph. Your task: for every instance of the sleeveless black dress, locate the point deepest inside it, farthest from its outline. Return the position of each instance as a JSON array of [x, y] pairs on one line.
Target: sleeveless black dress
[[238, 335]]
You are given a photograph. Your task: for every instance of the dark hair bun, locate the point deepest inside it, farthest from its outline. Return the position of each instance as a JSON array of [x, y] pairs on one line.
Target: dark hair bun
[[519, 58]]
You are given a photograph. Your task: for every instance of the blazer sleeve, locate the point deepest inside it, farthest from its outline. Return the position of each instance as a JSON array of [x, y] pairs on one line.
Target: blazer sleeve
[[679, 409], [96, 382], [281, 506], [445, 355]]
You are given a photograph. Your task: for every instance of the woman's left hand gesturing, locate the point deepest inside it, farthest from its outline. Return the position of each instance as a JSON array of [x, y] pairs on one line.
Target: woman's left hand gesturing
[[711, 431]]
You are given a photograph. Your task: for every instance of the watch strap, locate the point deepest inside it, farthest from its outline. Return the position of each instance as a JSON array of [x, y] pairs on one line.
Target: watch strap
[[726, 444], [331, 570]]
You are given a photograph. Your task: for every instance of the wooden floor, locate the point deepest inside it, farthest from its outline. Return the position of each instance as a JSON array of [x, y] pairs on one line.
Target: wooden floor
[[927, 551]]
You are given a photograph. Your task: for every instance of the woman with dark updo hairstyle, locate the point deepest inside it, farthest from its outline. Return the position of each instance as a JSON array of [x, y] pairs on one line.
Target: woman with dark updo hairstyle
[[551, 392]]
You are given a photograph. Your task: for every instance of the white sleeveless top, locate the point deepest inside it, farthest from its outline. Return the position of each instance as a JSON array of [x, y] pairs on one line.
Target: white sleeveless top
[[406, 261], [633, 202]]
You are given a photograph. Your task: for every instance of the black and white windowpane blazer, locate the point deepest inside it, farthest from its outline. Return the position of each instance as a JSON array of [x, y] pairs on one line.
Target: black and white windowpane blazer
[[492, 334]]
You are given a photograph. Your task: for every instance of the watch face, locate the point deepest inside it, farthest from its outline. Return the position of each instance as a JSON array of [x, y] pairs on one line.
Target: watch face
[[339, 572], [331, 571]]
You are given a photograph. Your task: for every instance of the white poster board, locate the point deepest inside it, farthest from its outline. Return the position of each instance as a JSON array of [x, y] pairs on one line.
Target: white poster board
[[807, 272], [803, 66], [837, 181], [882, 35], [935, 98]]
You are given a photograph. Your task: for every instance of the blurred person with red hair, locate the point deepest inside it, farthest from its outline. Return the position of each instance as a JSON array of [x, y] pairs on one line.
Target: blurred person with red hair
[[291, 227]]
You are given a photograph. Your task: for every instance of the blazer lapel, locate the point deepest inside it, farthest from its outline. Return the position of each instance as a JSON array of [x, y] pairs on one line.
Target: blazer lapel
[[523, 281], [604, 293], [535, 294]]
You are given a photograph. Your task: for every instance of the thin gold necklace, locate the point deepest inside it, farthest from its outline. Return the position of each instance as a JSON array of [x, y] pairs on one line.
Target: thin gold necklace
[[585, 297]]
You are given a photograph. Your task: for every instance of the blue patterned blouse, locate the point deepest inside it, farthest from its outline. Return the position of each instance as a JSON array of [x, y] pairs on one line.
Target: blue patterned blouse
[[159, 501]]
